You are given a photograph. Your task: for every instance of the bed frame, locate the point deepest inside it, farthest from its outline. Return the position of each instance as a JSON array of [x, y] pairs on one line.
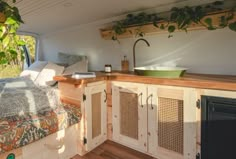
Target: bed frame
[[63, 144]]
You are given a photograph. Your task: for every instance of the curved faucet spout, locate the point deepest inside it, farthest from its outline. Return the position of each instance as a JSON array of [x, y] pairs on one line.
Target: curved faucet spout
[[134, 61]]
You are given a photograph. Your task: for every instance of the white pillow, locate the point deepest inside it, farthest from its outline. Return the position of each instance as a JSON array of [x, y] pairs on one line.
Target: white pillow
[[81, 66], [33, 71], [45, 77]]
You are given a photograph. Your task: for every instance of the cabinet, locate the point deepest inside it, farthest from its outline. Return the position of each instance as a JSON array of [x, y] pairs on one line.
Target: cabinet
[[91, 97], [129, 115], [158, 120], [172, 122], [95, 114]]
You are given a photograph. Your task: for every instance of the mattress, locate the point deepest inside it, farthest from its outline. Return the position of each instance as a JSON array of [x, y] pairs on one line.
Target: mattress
[[29, 112], [19, 130]]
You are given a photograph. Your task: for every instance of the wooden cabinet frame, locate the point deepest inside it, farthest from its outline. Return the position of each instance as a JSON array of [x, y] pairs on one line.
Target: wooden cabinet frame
[[148, 114], [188, 96], [139, 91], [95, 115], [89, 96]]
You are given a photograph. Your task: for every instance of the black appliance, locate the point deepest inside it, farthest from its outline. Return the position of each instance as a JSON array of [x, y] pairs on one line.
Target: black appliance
[[218, 128]]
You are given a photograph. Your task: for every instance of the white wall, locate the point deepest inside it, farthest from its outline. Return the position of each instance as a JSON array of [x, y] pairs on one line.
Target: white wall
[[211, 52]]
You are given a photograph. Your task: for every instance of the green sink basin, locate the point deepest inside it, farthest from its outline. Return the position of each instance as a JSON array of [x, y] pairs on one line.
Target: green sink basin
[[159, 71]]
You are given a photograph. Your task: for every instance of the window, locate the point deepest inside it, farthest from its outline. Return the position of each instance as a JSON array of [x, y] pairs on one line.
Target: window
[[14, 68]]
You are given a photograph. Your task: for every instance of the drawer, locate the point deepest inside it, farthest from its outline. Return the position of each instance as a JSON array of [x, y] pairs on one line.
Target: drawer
[[35, 149], [70, 143], [60, 145], [70, 91]]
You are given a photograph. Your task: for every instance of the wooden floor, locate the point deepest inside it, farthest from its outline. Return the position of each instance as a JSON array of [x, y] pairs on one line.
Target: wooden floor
[[111, 150]]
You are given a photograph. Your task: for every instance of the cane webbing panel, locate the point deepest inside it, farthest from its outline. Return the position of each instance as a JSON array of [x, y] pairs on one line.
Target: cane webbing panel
[[96, 115], [170, 124], [129, 114]]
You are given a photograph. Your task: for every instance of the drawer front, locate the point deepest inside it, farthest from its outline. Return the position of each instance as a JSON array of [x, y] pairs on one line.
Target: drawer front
[[71, 140], [60, 145]]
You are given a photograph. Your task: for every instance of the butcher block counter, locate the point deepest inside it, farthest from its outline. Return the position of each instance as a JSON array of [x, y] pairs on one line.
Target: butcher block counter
[[220, 82]]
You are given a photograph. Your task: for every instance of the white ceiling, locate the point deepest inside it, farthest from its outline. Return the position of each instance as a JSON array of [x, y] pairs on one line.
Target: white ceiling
[[43, 16]]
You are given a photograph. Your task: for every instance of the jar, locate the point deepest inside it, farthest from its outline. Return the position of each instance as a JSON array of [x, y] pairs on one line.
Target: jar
[[108, 68]]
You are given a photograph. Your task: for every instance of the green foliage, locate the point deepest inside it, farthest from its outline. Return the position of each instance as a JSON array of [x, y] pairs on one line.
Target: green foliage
[[183, 17], [9, 42], [10, 71], [209, 23], [171, 28], [14, 67], [31, 44], [162, 27], [11, 53], [134, 20], [10, 11], [180, 18], [232, 26]]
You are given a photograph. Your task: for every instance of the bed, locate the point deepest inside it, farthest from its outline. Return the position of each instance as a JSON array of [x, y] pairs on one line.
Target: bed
[[33, 121], [30, 112]]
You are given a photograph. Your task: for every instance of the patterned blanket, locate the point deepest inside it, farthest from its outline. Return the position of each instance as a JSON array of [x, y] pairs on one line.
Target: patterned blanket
[[29, 113], [17, 131]]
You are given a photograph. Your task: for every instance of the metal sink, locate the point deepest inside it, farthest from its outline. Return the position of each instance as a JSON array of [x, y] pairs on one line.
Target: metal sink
[[160, 71]]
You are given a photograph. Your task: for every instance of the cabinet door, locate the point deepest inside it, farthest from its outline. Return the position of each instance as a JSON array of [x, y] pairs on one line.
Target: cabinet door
[[171, 122], [95, 115], [129, 114]]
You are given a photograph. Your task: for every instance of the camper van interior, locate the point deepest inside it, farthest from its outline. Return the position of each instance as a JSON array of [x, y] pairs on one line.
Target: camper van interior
[[125, 79]]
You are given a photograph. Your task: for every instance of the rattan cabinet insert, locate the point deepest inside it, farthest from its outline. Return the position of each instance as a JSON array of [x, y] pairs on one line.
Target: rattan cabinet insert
[[158, 120]]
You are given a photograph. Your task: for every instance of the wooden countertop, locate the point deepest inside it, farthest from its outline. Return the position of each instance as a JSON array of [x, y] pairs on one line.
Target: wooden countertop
[[219, 82], [69, 79]]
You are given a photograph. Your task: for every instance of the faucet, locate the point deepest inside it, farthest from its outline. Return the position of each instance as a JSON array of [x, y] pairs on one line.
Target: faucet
[[134, 61]]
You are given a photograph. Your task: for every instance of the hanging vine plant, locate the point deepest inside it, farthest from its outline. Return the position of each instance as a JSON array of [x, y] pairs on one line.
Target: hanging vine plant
[[10, 20], [179, 19]]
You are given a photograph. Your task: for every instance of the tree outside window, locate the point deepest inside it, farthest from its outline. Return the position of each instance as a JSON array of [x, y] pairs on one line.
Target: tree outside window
[[15, 67]]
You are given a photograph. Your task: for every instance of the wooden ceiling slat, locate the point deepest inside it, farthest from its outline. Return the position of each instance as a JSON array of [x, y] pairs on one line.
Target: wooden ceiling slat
[[27, 7]]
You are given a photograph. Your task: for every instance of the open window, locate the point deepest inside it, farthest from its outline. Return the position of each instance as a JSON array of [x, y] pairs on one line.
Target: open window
[[28, 52], [29, 49]]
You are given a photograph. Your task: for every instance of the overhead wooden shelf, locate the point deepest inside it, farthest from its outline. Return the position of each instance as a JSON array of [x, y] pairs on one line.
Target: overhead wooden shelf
[[150, 29]]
